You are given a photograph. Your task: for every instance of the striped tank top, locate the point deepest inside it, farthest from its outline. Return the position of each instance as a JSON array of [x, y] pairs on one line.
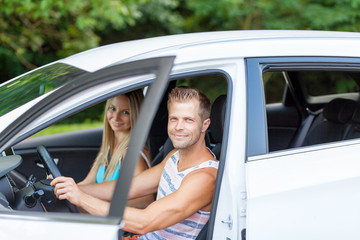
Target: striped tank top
[[170, 181]]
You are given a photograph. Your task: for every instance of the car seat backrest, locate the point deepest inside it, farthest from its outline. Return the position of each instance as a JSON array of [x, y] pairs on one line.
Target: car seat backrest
[[354, 129], [163, 151], [339, 110], [217, 117], [332, 124]]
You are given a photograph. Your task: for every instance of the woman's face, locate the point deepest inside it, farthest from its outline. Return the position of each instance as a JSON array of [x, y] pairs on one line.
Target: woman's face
[[118, 114]]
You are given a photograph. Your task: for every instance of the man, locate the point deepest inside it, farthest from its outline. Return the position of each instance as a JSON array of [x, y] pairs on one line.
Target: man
[[184, 181]]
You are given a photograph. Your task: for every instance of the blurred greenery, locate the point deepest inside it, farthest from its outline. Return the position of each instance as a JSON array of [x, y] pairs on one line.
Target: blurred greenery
[[36, 32], [211, 84], [25, 88], [60, 128]]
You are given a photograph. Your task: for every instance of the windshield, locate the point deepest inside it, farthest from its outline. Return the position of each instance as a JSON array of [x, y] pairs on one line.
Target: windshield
[[21, 90]]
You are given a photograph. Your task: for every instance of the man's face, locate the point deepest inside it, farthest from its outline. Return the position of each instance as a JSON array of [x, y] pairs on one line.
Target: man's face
[[184, 124]]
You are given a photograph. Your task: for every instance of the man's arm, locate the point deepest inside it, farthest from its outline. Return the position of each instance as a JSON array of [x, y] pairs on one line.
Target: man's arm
[[95, 198], [195, 193], [143, 183], [146, 182], [103, 191]]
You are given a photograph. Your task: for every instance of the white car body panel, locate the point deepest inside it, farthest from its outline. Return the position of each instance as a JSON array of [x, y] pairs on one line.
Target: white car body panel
[[36, 228], [318, 180], [233, 184], [98, 58], [261, 193]]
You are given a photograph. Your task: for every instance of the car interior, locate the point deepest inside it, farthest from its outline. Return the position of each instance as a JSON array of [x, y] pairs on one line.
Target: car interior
[[316, 107], [74, 152]]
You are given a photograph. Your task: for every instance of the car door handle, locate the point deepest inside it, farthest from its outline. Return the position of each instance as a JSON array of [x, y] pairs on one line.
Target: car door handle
[[40, 165], [228, 222]]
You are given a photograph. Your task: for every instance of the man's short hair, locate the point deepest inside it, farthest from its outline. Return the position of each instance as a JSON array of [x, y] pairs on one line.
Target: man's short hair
[[184, 94]]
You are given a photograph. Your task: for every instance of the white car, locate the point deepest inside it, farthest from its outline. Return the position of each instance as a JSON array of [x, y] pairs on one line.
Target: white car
[[285, 127]]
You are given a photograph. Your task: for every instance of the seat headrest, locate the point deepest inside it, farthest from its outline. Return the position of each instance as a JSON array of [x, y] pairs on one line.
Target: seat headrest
[[339, 110], [217, 117]]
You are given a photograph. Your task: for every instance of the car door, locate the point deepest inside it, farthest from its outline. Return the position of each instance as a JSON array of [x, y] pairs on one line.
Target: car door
[[19, 225], [73, 152], [309, 192]]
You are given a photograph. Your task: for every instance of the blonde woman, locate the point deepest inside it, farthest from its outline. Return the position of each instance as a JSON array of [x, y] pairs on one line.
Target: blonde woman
[[119, 118], [120, 115]]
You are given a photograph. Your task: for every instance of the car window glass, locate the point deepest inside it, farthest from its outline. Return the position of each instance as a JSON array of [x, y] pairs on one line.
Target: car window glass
[[322, 108], [317, 83], [211, 84], [89, 118], [274, 86], [32, 85]]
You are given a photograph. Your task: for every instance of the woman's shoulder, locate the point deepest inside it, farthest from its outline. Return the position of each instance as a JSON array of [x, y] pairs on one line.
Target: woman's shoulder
[[145, 155]]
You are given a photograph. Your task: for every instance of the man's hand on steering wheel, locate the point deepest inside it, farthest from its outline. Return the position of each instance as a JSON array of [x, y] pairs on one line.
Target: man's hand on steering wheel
[[67, 189]]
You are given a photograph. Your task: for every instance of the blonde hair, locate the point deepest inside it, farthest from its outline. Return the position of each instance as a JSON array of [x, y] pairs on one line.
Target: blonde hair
[[184, 94], [108, 139]]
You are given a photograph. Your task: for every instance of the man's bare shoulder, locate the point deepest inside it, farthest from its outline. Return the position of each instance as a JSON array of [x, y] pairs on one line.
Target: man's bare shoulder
[[203, 174], [199, 186]]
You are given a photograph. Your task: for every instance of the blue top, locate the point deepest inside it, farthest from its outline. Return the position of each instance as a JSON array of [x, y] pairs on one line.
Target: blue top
[[101, 171]]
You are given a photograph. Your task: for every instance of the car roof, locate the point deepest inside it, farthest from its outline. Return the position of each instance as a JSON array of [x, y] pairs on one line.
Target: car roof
[[97, 58]]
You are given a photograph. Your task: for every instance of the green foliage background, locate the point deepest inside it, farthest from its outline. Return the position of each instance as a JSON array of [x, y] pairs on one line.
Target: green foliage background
[[36, 32]]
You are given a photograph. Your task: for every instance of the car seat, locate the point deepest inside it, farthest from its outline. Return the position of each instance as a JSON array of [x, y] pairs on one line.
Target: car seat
[[332, 124], [354, 129], [216, 128]]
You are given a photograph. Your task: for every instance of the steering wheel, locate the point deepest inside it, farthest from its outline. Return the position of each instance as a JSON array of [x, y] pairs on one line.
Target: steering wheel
[[51, 168], [48, 162]]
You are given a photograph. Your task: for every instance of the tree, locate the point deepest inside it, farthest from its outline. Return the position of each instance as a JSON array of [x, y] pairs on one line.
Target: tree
[[37, 32], [275, 14]]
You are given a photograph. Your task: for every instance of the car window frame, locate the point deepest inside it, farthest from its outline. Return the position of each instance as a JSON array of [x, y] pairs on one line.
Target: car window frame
[[257, 134]]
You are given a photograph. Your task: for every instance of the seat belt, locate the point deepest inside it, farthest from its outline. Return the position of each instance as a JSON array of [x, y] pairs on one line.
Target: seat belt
[[305, 128]]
